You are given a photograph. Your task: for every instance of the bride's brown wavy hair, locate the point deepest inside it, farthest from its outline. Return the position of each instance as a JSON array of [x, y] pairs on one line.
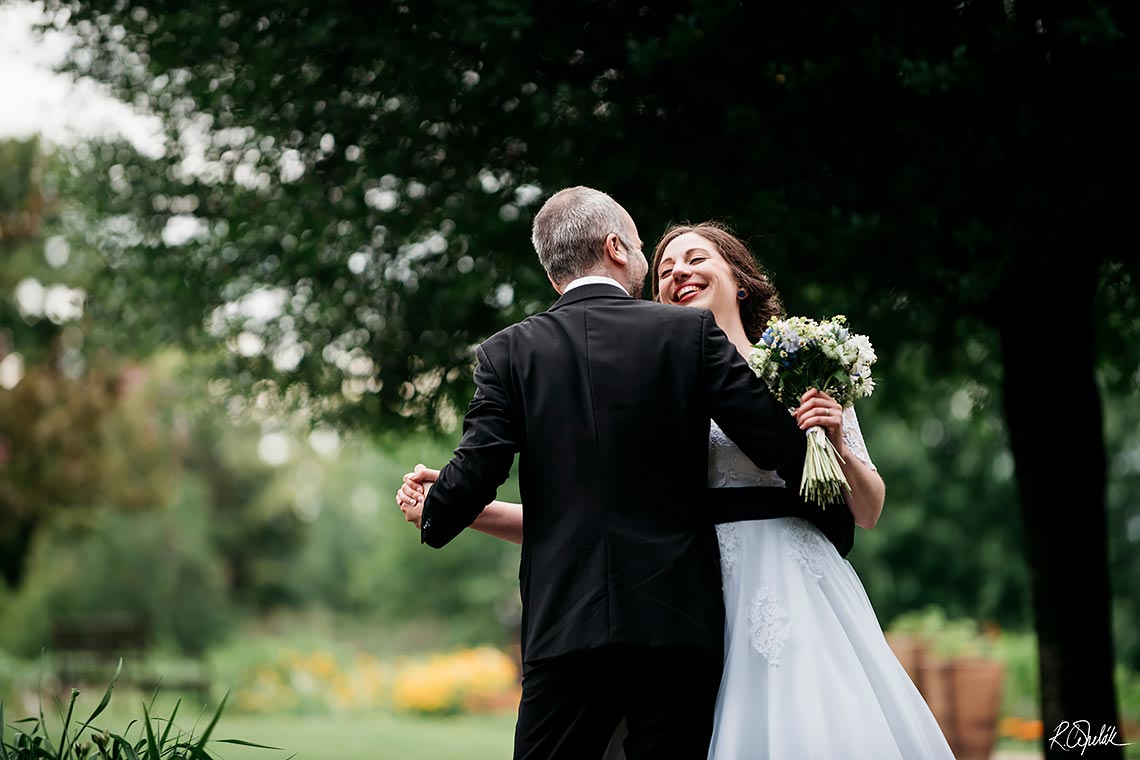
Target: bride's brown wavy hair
[[761, 301]]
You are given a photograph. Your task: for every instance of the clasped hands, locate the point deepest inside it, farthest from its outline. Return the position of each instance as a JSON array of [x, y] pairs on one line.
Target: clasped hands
[[413, 492]]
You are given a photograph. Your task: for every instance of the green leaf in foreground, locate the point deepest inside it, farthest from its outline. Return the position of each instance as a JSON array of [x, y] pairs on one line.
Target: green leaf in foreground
[[64, 744], [3, 730], [128, 750], [170, 723], [106, 696], [151, 744], [244, 743], [200, 747]]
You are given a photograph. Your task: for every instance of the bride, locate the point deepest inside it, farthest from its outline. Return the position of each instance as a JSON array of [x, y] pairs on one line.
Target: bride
[[807, 670]]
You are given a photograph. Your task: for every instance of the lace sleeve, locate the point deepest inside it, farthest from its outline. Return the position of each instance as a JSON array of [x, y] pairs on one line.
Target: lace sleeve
[[853, 437]]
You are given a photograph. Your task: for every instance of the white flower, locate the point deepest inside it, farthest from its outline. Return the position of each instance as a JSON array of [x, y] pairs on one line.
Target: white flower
[[848, 355]]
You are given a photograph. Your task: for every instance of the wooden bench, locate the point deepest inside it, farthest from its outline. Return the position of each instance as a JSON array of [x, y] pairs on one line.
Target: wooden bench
[[87, 650]]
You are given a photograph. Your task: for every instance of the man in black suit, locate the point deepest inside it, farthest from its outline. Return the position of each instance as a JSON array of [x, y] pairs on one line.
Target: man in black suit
[[607, 399]]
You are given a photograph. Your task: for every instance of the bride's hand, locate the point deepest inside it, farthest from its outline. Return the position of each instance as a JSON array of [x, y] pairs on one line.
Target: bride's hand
[[411, 495], [411, 502], [817, 409], [423, 474]]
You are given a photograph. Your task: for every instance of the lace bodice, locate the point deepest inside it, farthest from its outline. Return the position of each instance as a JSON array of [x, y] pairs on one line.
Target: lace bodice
[[730, 468], [768, 618]]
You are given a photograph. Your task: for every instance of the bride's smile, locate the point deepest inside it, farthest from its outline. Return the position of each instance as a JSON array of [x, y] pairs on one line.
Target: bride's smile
[[683, 293]]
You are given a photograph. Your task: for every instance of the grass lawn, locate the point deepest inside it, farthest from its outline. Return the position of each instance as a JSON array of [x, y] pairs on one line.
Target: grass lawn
[[380, 736]]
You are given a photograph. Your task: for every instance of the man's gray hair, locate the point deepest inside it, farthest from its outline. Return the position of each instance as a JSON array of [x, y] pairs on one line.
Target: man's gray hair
[[570, 231]]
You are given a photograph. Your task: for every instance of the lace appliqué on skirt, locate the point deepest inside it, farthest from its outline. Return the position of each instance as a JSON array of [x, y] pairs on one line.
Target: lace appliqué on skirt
[[804, 547], [728, 536], [768, 625]]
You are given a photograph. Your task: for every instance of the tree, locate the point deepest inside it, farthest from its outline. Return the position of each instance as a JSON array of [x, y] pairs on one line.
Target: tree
[[68, 443], [938, 170]]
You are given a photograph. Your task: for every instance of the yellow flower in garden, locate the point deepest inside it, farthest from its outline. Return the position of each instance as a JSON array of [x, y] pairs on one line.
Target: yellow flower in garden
[[1021, 730], [1032, 730], [321, 664], [473, 679], [1009, 727], [482, 679], [423, 688]]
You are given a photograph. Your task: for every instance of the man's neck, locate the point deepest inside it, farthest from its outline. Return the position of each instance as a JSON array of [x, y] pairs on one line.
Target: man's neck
[[590, 279]]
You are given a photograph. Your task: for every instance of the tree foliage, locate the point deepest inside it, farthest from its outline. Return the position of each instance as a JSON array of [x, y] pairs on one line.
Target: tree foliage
[[380, 174]]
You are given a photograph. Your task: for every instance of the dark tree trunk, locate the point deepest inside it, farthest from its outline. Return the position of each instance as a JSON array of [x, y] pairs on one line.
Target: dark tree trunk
[[14, 547], [1053, 410]]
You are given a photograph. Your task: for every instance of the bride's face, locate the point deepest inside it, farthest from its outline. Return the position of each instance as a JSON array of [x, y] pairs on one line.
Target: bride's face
[[693, 273]]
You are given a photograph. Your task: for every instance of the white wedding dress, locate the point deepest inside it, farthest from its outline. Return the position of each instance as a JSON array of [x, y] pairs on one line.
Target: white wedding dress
[[808, 674]]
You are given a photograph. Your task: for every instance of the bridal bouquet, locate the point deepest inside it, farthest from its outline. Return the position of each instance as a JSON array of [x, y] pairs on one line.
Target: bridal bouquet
[[797, 354]]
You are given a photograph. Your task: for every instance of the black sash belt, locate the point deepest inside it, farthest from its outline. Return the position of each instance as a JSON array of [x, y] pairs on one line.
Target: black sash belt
[[753, 503], [760, 503]]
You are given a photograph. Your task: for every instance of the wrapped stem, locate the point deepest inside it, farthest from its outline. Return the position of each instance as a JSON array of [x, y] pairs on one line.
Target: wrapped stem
[[823, 480]]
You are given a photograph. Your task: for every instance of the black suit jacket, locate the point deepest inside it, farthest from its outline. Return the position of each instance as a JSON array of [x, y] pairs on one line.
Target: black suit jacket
[[607, 400]]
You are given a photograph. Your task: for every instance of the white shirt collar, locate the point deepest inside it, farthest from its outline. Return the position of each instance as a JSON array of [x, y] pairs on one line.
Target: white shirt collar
[[594, 280]]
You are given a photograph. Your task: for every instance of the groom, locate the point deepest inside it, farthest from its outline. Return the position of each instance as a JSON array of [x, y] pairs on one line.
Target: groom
[[607, 399]]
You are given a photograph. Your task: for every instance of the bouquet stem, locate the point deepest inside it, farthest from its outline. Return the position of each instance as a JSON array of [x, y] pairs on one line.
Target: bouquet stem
[[823, 481]]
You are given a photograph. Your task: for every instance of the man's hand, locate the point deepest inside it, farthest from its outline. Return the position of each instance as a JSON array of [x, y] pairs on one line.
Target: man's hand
[[412, 494]]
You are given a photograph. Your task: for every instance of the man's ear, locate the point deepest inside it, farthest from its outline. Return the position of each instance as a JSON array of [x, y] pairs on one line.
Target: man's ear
[[616, 252]]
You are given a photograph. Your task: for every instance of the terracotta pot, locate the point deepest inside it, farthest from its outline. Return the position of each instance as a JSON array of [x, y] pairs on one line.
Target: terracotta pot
[[975, 689], [934, 685], [910, 651]]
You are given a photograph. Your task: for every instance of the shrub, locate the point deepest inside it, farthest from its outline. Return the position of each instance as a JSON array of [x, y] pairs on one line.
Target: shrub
[[156, 565], [294, 681]]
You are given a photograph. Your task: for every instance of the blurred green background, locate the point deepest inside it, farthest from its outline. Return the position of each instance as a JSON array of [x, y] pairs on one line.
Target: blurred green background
[[224, 342]]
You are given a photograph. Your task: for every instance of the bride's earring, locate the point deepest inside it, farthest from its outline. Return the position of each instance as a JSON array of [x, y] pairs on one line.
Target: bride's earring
[[741, 294]]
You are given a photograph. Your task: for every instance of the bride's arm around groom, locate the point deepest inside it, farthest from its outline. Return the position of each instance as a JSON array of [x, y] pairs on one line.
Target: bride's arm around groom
[[481, 464]]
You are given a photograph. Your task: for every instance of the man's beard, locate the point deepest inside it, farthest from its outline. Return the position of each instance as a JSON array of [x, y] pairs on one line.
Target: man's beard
[[636, 287]]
